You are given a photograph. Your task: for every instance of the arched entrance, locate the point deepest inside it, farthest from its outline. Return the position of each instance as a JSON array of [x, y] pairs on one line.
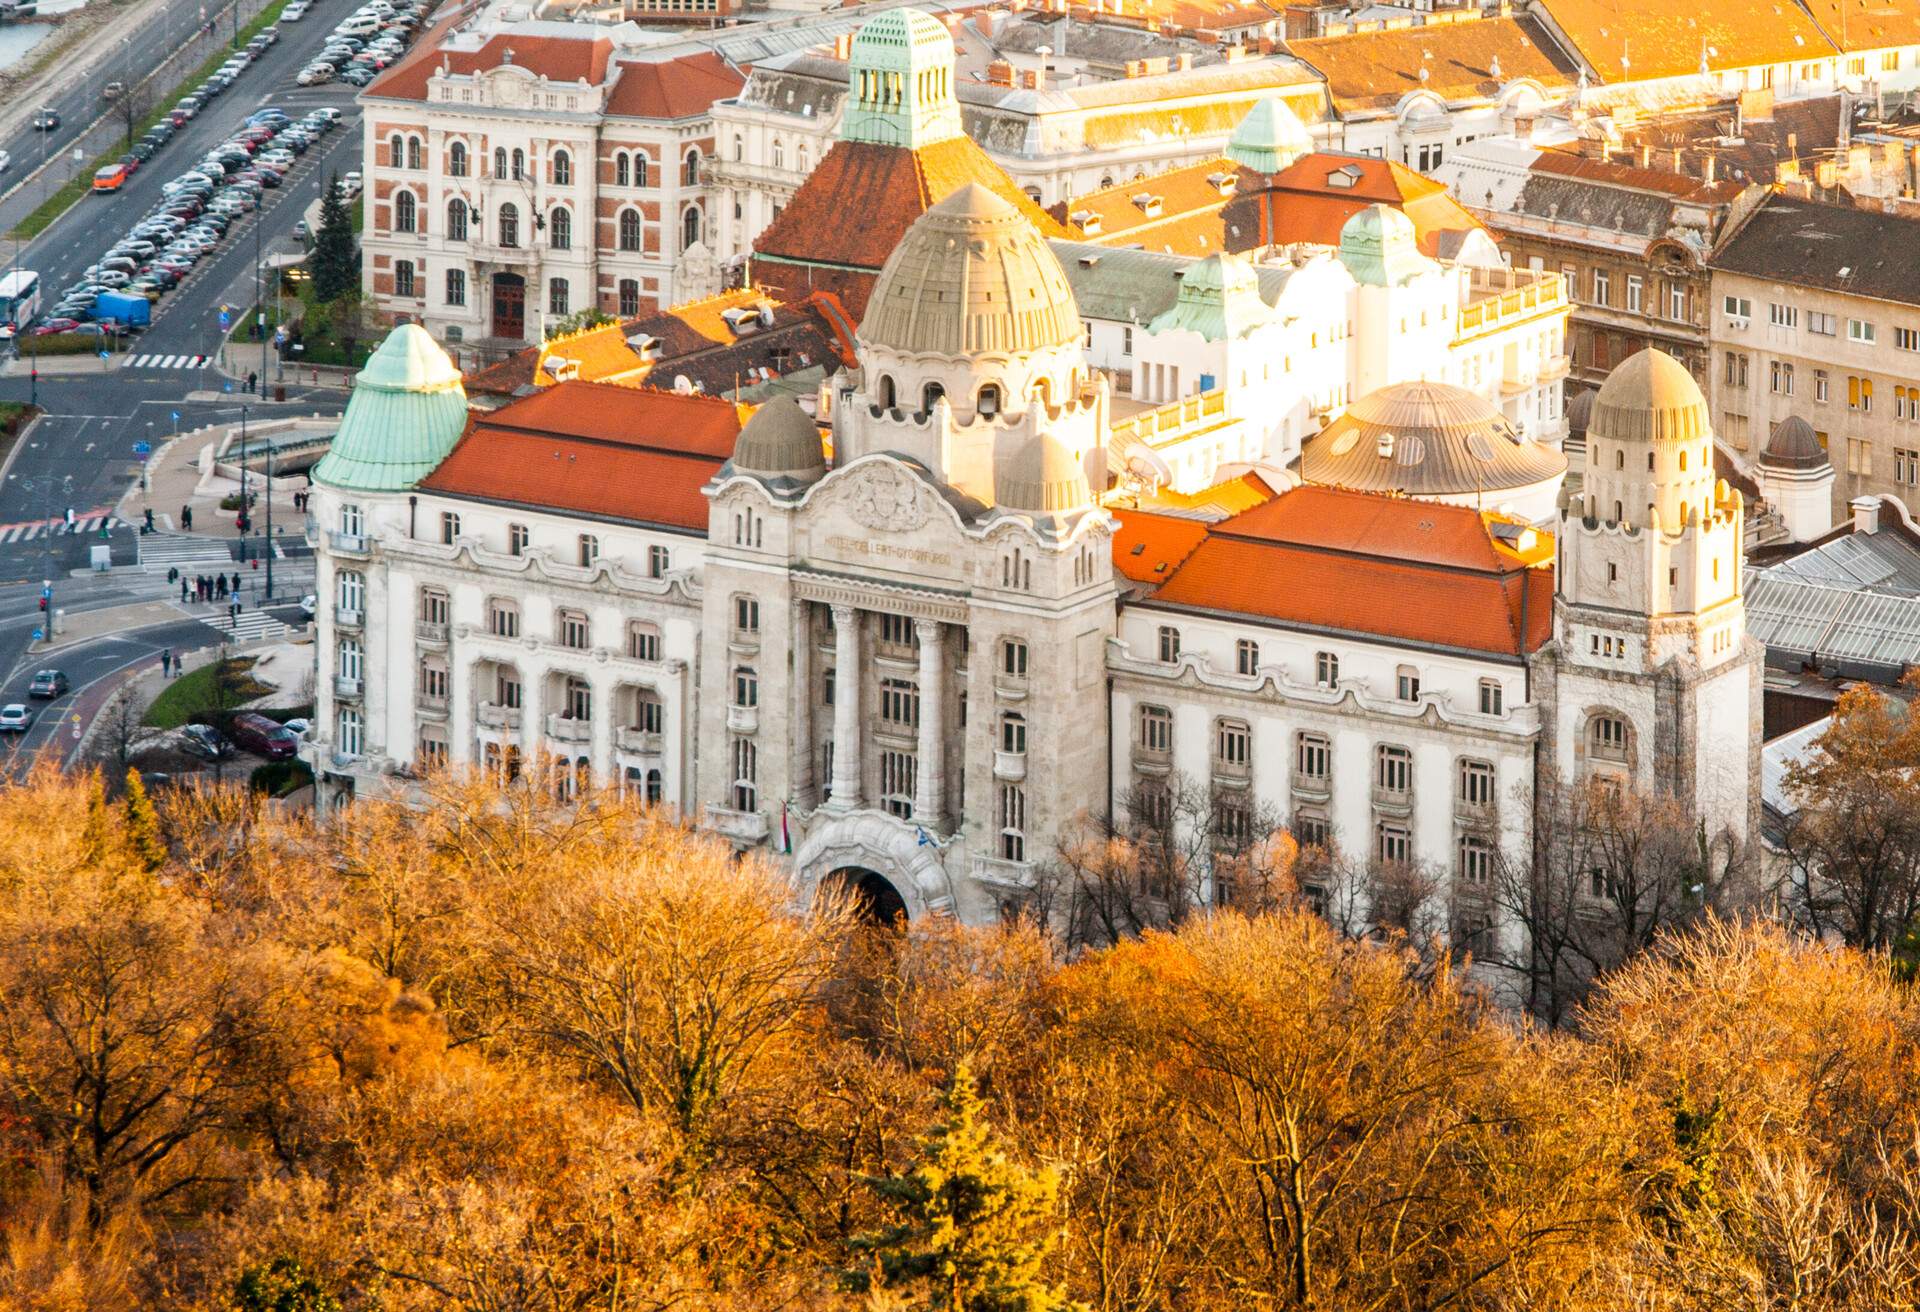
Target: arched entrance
[[872, 848], [875, 900], [509, 306]]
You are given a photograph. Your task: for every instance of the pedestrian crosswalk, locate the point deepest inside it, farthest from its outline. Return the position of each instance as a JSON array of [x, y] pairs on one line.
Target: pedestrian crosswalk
[[165, 550], [31, 529], [151, 361], [251, 626]]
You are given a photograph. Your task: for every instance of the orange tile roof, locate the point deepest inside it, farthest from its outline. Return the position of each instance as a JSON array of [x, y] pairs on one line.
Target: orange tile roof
[[858, 202], [1372, 70], [1386, 567], [1867, 26], [625, 453], [558, 59], [672, 88], [1657, 39], [1148, 547], [1301, 204]]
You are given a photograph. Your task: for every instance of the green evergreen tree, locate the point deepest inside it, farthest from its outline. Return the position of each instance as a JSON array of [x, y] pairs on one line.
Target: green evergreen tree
[[973, 1227], [335, 262], [143, 825], [281, 1286]]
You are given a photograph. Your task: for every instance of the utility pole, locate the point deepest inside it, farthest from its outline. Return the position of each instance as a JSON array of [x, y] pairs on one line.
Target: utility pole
[[260, 297], [245, 515], [269, 521]]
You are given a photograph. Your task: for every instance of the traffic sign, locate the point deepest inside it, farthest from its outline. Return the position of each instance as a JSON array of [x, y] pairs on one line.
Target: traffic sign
[[226, 318], [143, 448], [176, 416]]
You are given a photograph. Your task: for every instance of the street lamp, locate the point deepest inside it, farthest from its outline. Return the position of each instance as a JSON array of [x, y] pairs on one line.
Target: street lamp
[[245, 517]]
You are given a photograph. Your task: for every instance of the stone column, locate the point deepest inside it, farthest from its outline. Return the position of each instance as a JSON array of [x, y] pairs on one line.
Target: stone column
[[846, 708], [800, 698], [930, 781], [460, 699]]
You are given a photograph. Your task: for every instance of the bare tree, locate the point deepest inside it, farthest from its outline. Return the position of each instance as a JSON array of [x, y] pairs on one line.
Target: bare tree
[[119, 730]]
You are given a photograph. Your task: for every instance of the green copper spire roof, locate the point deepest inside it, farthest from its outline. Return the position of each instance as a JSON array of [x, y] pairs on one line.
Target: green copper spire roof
[[1219, 299], [1269, 138], [900, 80], [407, 411], [1380, 247]]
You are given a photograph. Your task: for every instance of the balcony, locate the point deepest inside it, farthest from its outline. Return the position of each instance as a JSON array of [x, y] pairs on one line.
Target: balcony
[[1011, 766], [431, 704], [1555, 367], [743, 719], [1393, 801], [349, 544], [349, 617], [1313, 787], [427, 633], [638, 742], [1003, 874], [347, 686], [567, 729], [1009, 689], [742, 827], [1148, 761], [1233, 774], [492, 715]]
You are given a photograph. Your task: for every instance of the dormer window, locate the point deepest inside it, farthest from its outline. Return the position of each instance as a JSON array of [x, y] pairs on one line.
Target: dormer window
[[1148, 204]]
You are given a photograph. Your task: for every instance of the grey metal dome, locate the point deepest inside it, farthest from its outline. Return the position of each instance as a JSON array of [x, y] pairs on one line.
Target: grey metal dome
[[1580, 413], [780, 441], [1794, 445], [1426, 439]]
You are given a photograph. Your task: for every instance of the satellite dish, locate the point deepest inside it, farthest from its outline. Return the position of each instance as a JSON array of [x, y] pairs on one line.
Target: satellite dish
[[1147, 465], [682, 384]]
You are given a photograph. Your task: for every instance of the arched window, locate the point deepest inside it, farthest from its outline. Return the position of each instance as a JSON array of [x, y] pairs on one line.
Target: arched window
[[560, 228], [456, 220], [457, 160], [779, 153], [929, 394], [690, 171], [639, 169], [629, 230], [1043, 390], [1683, 462], [988, 402], [404, 206], [519, 164], [739, 147], [689, 227], [499, 161], [805, 158], [403, 278], [1607, 738], [562, 169], [622, 170], [396, 152], [414, 160], [629, 298], [509, 225], [1620, 459], [885, 392]]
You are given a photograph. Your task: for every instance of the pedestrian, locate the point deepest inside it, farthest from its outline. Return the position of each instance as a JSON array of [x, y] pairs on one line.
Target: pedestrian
[[173, 573], [186, 518], [166, 663], [183, 591], [236, 580], [221, 590]]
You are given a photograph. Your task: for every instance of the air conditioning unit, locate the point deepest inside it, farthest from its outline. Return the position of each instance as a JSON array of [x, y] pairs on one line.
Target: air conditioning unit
[[1738, 321]]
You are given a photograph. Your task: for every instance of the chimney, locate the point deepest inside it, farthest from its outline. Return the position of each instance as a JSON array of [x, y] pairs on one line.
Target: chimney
[[1646, 157], [1679, 165], [1523, 128], [1712, 167], [843, 47], [1000, 73], [1866, 514], [1184, 61]]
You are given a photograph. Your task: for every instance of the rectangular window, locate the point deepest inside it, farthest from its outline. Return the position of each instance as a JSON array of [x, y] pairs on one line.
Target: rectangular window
[[900, 703], [1476, 785], [1634, 285], [1326, 669], [573, 629], [1313, 758], [895, 630], [1906, 339], [1393, 770], [1476, 863], [1233, 744], [589, 550], [1859, 456], [1156, 729], [1677, 302], [1126, 340], [1169, 645], [1781, 378], [506, 689], [1013, 658], [1492, 697], [896, 783], [1013, 822], [1822, 386], [518, 537], [1737, 307], [746, 614], [746, 775], [658, 562], [1246, 656], [456, 286], [1310, 830], [1783, 316], [1906, 466], [1407, 684], [643, 641], [746, 686], [503, 619], [1393, 845], [449, 527], [1823, 324], [1602, 287], [435, 606], [1861, 331]]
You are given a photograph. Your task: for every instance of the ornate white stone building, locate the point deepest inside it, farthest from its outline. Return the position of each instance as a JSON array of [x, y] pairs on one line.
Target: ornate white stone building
[[920, 665]]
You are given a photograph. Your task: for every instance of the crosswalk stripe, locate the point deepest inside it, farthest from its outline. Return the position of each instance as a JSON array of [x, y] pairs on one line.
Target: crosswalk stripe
[[160, 550], [250, 627]]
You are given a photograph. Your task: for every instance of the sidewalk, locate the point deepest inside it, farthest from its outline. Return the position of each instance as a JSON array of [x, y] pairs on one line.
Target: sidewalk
[[177, 478]]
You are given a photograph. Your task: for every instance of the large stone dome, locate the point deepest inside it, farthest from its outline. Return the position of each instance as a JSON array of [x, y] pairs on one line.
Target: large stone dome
[[1041, 477], [1428, 440], [971, 277], [1650, 398], [780, 441]]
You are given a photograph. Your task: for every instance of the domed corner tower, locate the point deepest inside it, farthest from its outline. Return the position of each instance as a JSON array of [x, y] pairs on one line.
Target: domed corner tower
[[1649, 681], [971, 333], [1269, 138]]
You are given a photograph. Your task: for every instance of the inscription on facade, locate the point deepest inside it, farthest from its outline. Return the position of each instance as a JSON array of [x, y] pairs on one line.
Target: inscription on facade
[[889, 551]]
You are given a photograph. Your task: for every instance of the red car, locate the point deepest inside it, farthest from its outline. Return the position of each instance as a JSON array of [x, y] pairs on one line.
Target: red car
[[264, 737], [52, 326]]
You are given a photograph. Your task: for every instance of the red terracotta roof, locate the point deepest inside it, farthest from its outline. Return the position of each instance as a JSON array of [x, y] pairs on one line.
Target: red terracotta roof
[[860, 200], [673, 88], [1401, 570], [558, 59], [600, 449], [1455, 61], [1632, 40], [1147, 548]]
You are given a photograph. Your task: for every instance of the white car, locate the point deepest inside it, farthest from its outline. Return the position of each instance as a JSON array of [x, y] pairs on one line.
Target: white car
[[294, 12], [350, 184], [315, 76], [309, 603], [5, 161], [14, 718]]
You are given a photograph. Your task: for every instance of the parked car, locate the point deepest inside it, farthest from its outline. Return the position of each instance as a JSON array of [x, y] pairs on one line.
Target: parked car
[[52, 326], [350, 184], [263, 737], [45, 120], [14, 718], [47, 683], [294, 12], [204, 740]]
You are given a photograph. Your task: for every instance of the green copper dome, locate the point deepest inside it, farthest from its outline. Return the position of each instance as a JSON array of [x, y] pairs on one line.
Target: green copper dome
[[1379, 247], [407, 411], [1269, 138], [900, 76], [1219, 299]]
